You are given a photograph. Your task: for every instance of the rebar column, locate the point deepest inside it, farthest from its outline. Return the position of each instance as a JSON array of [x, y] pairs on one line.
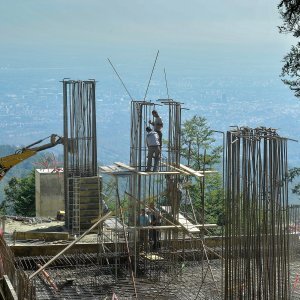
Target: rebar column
[[158, 188], [142, 188], [173, 153], [80, 147], [140, 113], [256, 208]]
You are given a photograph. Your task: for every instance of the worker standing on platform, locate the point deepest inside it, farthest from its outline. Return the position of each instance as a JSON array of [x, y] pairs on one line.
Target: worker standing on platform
[[152, 140], [157, 125]]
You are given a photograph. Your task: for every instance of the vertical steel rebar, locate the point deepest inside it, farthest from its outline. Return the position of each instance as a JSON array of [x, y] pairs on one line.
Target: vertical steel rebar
[[256, 235], [80, 146], [150, 189]]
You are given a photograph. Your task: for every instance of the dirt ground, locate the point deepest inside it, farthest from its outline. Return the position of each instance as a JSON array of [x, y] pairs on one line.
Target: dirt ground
[[38, 225], [33, 224]]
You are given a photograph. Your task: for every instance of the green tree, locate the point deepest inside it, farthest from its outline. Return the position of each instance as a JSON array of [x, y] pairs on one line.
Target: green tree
[[109, 193], [290, 14], [20, 170], [293, 174], [20, 195], [197, 143]]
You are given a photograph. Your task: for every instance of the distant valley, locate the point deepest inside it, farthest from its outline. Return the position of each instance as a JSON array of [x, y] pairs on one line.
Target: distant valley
[[31, 106]]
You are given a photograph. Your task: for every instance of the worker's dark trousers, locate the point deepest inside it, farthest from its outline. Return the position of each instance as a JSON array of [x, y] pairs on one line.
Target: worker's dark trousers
[[154, 239], [153, 150]]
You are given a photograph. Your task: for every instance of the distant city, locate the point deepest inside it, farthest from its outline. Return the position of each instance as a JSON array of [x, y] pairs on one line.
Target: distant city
[[31, 106]]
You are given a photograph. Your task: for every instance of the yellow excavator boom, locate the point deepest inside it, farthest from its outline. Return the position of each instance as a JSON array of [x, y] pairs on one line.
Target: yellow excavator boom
[[7, 162]]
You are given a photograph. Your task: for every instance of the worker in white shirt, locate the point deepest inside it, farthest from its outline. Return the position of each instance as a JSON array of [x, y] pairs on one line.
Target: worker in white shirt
[[157, 125], [152, 140]]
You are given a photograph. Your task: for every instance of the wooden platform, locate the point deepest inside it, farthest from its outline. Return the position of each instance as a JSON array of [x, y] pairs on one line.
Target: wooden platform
[[152, 256], [122, 169], [114, 170], [186, 224], [191, 171]]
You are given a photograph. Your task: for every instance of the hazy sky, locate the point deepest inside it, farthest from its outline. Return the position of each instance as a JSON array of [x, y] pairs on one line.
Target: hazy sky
[[135, 29], [209, 48]]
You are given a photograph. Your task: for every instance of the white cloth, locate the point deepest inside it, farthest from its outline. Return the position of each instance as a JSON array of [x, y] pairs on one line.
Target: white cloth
[[152, 139], [158, 123]]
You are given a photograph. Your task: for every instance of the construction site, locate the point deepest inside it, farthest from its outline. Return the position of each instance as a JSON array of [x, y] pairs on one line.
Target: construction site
[[133, 233]]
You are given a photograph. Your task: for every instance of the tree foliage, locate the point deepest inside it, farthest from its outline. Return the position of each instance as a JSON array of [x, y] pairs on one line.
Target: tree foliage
[[200, 153], [294, 173], [20, 196], [291, 69], [197, 144], [290, 14]]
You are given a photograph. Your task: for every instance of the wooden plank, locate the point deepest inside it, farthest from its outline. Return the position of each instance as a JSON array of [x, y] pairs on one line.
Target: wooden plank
[[191, 228], [168, 209], [70, 245], [207, 225], [152, 257], [7, 289], [208, 172], [176, 169], [104, 169], [184, 222], [113, 170], [120, 164], [191, 171], [158, 173], [113, 223], [162, 227], [143, 172]]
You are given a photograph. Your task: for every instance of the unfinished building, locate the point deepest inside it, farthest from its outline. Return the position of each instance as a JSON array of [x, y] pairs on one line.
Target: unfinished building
[[159, 252], [115, 255]]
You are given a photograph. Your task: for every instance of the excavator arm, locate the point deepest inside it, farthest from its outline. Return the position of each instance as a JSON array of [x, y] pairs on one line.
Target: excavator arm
[[7, 162]]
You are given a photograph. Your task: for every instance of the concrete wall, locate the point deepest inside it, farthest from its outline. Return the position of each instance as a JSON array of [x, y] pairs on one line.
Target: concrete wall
[[49, 192], [89, 197]]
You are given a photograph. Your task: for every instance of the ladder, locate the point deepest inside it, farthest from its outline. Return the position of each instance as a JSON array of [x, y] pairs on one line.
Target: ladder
[[76, 206]]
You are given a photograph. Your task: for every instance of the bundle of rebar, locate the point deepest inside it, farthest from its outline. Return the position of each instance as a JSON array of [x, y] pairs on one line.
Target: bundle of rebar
[[80, 145], [256, 207]]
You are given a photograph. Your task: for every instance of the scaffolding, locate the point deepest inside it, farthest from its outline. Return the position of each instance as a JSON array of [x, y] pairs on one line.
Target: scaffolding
[[176, 257], [176, 244], [155, 192], [186, 262]]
